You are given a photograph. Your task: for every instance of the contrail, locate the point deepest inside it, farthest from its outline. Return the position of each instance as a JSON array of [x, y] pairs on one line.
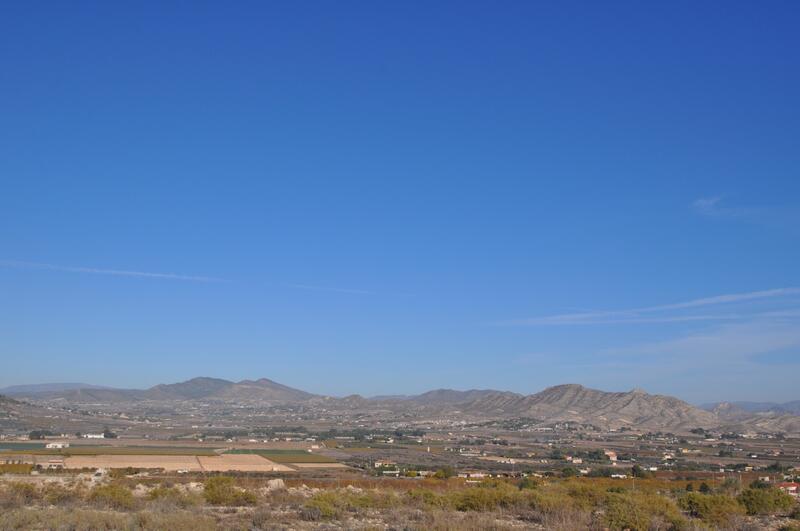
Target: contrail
[[96, 271]]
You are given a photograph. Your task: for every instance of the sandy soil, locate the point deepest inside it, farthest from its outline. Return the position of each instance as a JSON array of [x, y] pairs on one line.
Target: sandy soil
[[241, 462], [167, 462], [318, 465], [219, 463]]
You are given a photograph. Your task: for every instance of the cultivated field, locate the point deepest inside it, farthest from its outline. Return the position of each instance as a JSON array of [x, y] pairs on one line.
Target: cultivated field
[[106, 450], [286, 456], [217, 463], [240, 463], [318, 465], [167, 462]]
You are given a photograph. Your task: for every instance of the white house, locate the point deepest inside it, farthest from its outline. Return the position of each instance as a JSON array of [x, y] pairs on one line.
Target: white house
[[93, 436], [56, 445]]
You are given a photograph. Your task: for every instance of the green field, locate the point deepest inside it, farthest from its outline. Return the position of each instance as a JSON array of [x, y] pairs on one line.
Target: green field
[[105, 450], [287, 456], [21, 446]]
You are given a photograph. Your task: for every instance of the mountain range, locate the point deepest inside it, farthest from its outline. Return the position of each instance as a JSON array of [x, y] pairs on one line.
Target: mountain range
[[792, 407], [201, 388], [562, 403]]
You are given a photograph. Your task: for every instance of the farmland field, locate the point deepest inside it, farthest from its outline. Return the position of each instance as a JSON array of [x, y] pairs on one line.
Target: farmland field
[[105, 450], [21, 446], [287, 456], [192, 463]]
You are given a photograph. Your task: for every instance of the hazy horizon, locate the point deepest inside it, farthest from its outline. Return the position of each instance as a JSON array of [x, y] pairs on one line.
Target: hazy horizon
[[87, 385], [388, 199]]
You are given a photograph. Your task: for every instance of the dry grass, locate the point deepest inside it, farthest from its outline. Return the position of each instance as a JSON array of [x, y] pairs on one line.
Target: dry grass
[[93, 520], [244, 503]]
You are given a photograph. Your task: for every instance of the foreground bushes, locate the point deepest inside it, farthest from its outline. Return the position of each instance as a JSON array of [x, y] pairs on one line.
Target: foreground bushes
[[18, 494], [715, 509], [55, 494], [172, 497], [221, 490], [331, 504], [765, 501], [82, 519], [554, 504], [560, 505], [642, 511], [113, 497]]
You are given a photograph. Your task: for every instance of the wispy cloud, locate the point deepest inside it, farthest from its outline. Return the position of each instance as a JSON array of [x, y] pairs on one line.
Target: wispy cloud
[[706, 205], [97, 271], [325, 288], [641, 315], [738, 342], [785, 216]]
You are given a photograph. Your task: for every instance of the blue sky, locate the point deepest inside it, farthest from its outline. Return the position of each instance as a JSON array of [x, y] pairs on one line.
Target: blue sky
[[383, 198]]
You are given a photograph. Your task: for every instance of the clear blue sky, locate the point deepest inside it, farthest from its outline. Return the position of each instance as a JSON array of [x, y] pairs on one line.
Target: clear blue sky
[[380, 197]]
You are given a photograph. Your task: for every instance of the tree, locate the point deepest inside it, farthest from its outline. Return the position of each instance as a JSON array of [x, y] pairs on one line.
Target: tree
[[570, 472], [704, 488], [689, 487], [765, 501], [444, 473], [774, 467], [556, 454]]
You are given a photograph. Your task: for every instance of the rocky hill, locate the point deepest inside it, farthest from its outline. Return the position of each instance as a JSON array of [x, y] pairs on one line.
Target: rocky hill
[[573, 403], [201, 388], [791, 408]]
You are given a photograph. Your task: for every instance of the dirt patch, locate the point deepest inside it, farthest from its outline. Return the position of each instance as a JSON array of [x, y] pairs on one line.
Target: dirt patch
[[240, 462], [217, 463], [318, 465], [167, 462]]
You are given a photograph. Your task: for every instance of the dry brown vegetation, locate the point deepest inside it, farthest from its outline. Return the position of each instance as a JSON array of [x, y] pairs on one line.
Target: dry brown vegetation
[[230, 503]]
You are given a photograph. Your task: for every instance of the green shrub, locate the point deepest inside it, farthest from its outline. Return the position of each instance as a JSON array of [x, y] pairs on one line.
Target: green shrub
[[17, 494], [486, 497], [765, 500], [622, 513], [173, 521], [548, 501], [795, 514], [444, 473], [113, 496], [323, 504], [118, 473], [77, 519], [222, 491], [170, 495], [427, 498], [570, 472], [59, 495], [333, 503], [19, 468], [715, 509], [586, 496], [641, 511]]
